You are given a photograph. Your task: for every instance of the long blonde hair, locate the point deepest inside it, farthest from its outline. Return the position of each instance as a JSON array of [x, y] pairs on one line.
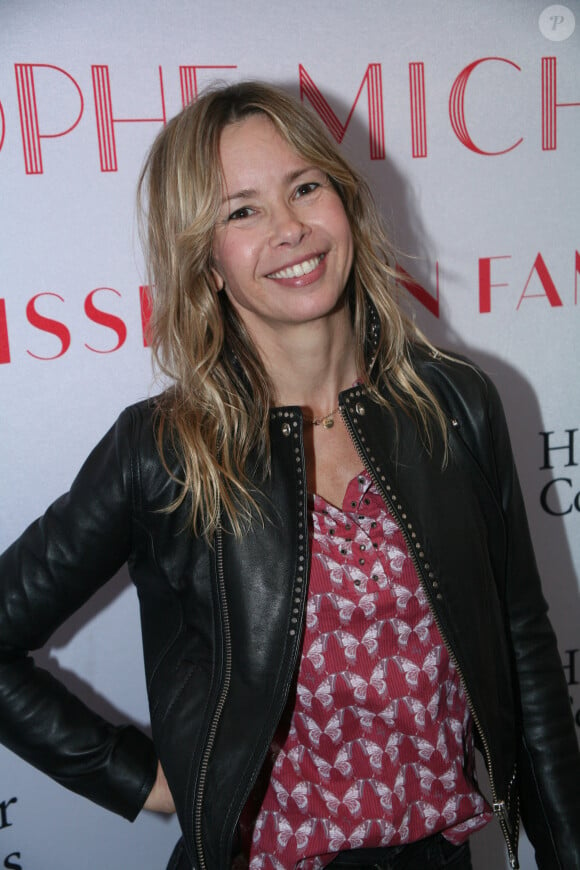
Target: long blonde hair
[[218, 410]]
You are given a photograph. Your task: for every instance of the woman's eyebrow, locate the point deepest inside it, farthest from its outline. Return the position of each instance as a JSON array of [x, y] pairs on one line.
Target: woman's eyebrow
[[241, 194], [249, 192]]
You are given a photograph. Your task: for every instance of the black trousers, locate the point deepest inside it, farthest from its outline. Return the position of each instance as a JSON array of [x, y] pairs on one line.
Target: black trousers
[[431, 853]]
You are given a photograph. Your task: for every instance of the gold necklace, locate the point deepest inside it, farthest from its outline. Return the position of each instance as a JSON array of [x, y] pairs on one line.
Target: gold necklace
[[326, 421]]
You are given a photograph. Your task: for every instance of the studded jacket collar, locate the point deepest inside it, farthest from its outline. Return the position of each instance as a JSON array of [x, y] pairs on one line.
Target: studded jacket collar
[[222, 625]]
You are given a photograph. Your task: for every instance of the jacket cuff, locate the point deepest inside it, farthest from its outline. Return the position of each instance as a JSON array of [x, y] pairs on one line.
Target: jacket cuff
[[133, 771]]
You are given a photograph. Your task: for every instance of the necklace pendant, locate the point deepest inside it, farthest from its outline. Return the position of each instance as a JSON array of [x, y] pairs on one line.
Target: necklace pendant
[[328, 422]]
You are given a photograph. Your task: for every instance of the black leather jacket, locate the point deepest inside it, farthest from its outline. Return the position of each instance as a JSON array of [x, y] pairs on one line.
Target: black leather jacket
[[222, 625]]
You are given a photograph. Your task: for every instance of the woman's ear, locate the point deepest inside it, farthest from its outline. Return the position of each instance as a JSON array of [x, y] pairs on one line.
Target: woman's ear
[[217, 279]]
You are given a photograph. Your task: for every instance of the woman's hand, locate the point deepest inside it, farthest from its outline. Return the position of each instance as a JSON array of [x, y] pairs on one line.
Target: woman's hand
[[160, 799]]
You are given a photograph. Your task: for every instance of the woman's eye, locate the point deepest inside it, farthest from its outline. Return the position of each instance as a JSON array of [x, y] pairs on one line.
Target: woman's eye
[[241, 213], [308, 187]]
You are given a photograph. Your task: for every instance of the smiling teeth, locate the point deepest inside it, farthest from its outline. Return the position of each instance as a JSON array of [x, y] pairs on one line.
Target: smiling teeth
[[298, 270]]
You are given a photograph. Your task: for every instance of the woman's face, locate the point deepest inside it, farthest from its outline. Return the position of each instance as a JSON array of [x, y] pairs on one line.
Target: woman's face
[[283, 247]]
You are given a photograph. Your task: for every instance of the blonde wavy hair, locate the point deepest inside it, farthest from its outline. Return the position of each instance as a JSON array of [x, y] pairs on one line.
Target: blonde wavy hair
[[217, 412]]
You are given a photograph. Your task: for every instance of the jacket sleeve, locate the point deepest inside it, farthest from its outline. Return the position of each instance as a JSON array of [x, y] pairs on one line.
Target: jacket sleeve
[[49, 572], [549, 762]]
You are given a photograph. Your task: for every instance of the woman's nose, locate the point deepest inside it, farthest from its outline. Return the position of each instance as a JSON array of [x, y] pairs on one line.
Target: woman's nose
[[287, 228]]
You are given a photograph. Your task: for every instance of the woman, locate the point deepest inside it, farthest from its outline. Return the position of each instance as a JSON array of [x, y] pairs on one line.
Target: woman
[[337, 589]]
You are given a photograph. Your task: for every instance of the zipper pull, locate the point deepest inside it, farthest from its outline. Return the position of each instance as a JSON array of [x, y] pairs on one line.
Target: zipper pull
[[500, 810]]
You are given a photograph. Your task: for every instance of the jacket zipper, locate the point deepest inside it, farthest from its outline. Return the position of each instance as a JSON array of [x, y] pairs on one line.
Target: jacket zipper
[[197, 816], [499, 807], [221, 700]]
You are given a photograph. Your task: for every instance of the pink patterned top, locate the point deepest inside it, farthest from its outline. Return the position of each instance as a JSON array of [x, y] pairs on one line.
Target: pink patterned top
[[377, 749]]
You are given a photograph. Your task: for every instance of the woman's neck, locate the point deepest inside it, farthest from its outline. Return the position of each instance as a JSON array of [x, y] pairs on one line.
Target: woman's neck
[[310, 365]]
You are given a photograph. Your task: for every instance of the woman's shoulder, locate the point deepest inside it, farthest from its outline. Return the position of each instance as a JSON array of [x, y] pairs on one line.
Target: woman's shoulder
[[143, 418], [455, 379], [467, 396], [139, 415], [150, 454], [141, 432]]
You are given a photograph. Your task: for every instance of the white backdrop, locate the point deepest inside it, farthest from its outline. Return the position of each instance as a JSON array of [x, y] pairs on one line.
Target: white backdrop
[[465, 116]]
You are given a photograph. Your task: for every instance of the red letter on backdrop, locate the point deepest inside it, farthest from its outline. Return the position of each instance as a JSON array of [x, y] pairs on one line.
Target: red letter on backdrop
[[485, 284], [431, 303], [457, 107], [547, 283], [4, 343], [418, 109], [576, 275], [47, 324], [374, 82], [3, 130], [549, 104], [28, 110], [104, 319], [105, 120], [188, 80]]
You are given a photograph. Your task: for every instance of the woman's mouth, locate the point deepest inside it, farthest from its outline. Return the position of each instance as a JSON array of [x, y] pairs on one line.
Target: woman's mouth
[[298, 269]]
